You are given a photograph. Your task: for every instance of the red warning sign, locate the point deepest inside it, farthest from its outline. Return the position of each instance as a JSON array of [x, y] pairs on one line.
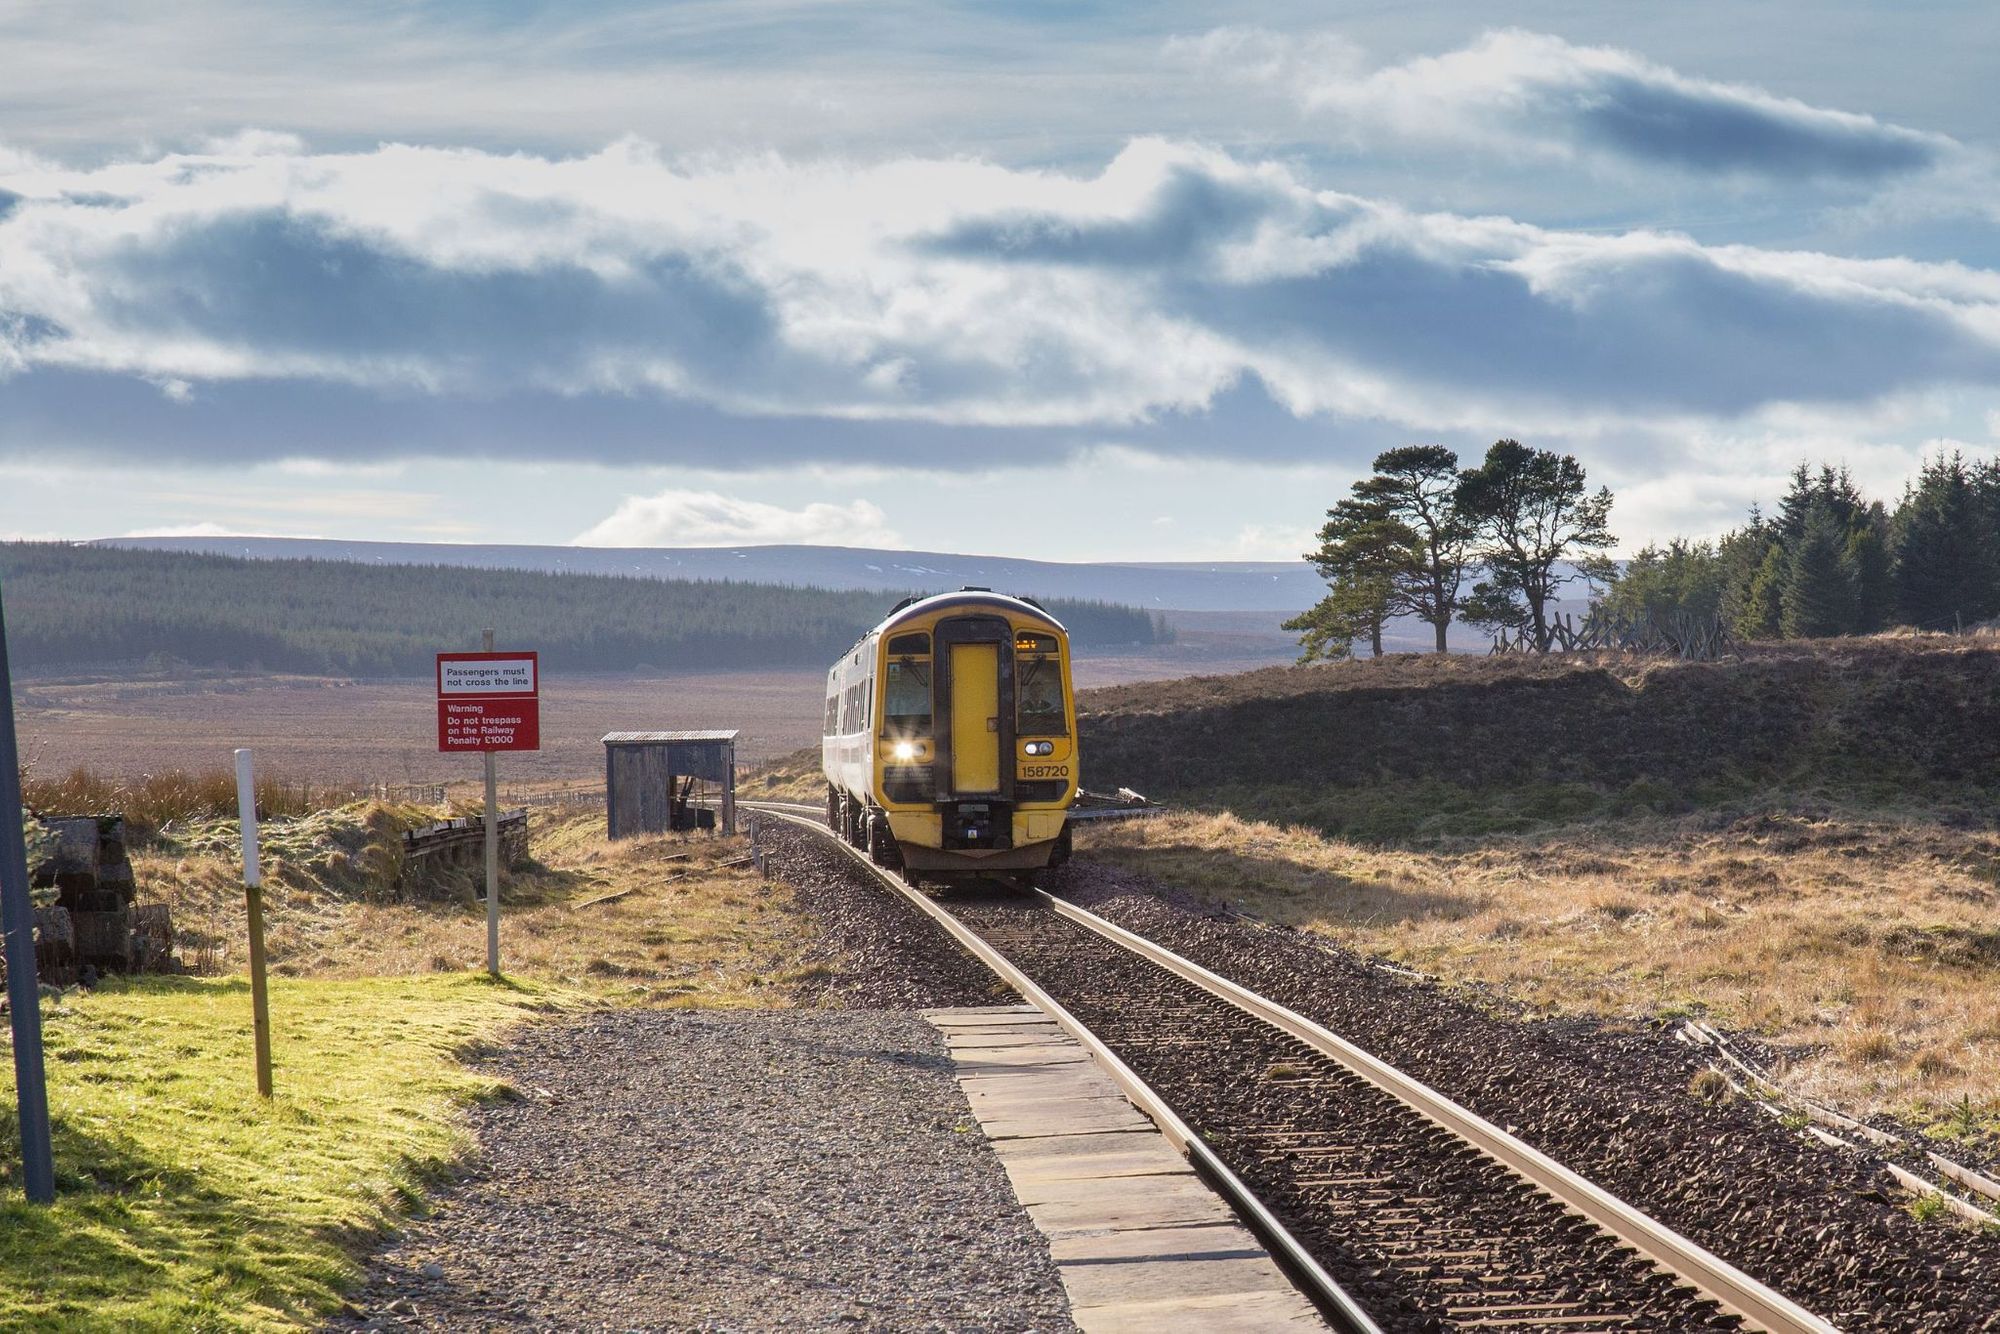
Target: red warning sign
[[489, 701]]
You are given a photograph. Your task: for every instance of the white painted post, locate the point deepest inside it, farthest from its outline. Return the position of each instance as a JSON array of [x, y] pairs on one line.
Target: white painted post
[[253, 895], [492, 854]]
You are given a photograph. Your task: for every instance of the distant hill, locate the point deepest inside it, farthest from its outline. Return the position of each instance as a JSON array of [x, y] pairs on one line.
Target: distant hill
[[1277, 586], [1203, 599], [89, 607]]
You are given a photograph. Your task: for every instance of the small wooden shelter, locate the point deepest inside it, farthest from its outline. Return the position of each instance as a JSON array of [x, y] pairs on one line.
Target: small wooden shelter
[[660, 781]]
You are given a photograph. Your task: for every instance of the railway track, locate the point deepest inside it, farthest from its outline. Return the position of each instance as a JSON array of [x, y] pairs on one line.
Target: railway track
[[1392, 1206]]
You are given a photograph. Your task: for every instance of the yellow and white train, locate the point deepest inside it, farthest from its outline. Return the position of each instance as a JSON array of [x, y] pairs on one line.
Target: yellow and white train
[[950, 738]]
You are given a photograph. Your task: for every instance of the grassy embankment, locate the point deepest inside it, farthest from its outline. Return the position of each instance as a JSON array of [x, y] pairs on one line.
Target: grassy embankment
[[184, 1203], [1801, 845]]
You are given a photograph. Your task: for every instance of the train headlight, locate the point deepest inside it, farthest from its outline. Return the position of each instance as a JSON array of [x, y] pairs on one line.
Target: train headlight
[[1040, 748], [904, 750]]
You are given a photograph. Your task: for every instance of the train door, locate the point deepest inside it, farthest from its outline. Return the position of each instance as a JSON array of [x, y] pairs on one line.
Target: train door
[[975, 718]]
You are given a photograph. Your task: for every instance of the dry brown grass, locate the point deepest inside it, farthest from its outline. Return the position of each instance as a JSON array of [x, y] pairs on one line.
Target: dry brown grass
[[152, 800], [793, 777], [690, 931], [1867, 946]]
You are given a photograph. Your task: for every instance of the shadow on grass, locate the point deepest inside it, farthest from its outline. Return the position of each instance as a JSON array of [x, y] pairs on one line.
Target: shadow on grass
[[137, 1242]]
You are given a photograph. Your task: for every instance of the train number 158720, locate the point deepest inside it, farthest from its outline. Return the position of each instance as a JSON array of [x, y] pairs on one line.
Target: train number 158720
[[1045, 771]]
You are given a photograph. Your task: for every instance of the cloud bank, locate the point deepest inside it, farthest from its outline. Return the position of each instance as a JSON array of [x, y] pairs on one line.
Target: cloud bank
[[709, 519], [1538, 95], [259, 301]]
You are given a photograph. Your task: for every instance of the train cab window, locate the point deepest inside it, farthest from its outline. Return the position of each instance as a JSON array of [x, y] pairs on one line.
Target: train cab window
[[906, 702], [910, 646], [906, 697], [1038, 692]]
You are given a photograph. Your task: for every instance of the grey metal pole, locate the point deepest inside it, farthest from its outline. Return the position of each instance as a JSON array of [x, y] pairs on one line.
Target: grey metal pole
[[492, 854], [24, 996]]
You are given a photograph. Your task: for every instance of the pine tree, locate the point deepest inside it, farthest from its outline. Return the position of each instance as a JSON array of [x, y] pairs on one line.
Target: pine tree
[[1871, 572], [1416, 487], [1741, 554], [1762, 612], [1683, 578], [1540, 528], [1818, 598], [1945, 549], [1398, 545], [1790, 524], [1363, 552], [1354, 609]]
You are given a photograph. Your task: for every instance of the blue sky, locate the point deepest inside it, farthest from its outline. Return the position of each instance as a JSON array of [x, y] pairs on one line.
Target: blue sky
[[1077, 281]]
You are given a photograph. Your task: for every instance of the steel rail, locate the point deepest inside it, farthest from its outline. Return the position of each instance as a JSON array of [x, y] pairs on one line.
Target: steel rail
[[1756, 1303], [1325, 1292], [1760, 1305]]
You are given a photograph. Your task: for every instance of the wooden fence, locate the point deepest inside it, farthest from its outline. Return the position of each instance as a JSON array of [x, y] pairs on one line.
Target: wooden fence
[[1681, 634], [414, 794], [563, 797], [459, 843]]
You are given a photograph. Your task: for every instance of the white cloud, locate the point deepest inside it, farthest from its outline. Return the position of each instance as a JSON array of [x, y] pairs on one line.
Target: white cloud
[[710, 519], [205, 529], [1263, 541], [184, 530], [1540, 96], [624, 307]]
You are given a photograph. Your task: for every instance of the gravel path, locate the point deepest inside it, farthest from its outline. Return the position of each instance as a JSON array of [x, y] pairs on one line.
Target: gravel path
[[1612, 1102], [725, 1171]]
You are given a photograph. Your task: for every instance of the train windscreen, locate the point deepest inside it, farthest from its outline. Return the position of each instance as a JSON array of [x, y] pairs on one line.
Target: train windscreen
[[1038, 695], [906, 706]]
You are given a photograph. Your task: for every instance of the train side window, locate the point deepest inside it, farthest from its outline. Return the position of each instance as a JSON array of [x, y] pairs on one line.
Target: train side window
[[832, 714], [1038, 695], [906, 704]]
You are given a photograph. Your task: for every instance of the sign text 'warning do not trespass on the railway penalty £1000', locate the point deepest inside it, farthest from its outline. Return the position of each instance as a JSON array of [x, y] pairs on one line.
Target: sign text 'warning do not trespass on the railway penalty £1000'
[[489, 701]]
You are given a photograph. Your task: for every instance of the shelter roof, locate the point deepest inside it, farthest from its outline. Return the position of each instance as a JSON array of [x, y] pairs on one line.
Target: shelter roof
[[639, 738]]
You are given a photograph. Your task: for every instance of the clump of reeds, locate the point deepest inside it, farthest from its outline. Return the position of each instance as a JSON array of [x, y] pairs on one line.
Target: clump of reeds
[[151, 801]]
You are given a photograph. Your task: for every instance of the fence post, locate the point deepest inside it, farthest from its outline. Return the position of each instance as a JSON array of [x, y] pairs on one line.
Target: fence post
[[253, 894]]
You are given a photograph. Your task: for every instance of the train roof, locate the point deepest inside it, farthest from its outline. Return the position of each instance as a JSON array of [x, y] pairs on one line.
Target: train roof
[[913, 607]]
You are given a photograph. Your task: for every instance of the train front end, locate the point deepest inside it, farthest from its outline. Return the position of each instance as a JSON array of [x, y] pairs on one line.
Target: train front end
[[969, 731]]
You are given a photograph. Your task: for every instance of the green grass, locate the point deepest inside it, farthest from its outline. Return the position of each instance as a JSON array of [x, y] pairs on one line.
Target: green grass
[[186, 1203]]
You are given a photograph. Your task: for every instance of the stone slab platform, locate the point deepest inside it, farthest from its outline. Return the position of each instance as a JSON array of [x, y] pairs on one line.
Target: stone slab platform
[[1141, 1242]]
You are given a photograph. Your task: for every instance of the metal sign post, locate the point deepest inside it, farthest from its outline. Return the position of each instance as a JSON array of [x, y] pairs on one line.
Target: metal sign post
[[253, 896], [492, 849], [489, 702], [24, 996]]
